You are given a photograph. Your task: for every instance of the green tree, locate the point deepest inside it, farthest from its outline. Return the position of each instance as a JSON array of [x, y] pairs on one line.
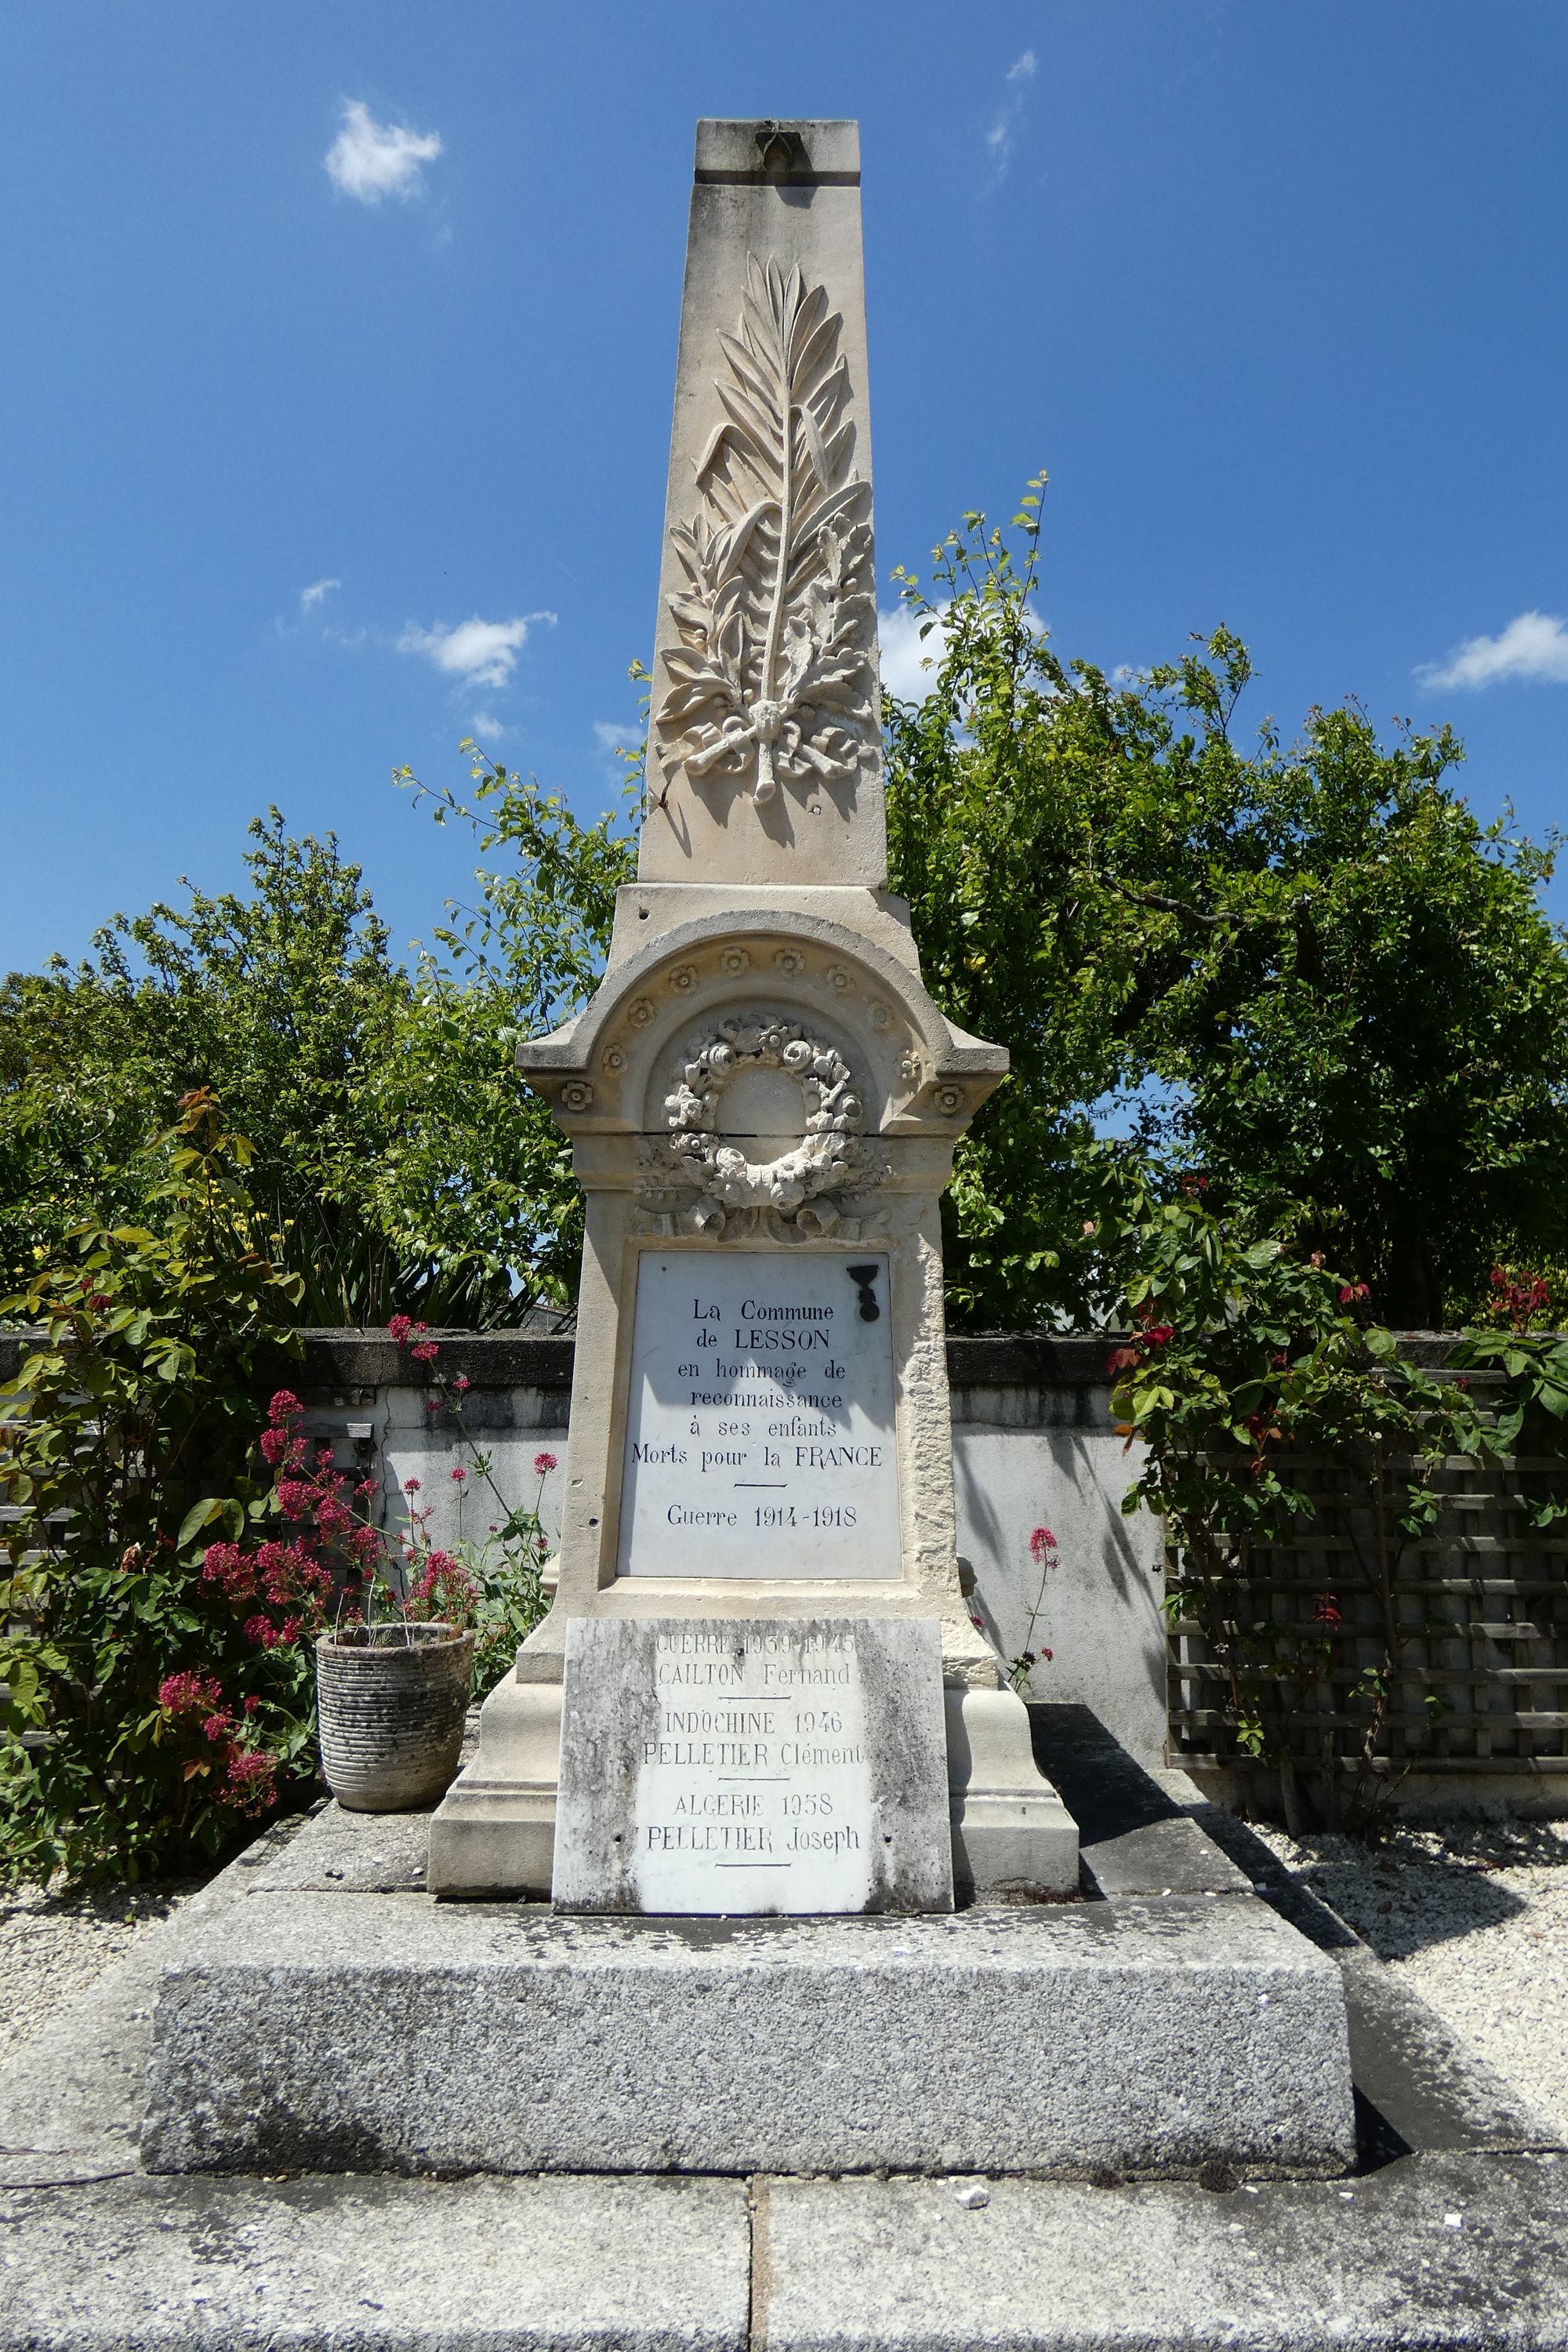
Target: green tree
[[1333, 985], [393, 1150], [525, 956], [281, 1001]]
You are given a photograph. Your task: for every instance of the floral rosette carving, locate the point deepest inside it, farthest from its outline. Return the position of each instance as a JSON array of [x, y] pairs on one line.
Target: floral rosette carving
[[797, 1187]]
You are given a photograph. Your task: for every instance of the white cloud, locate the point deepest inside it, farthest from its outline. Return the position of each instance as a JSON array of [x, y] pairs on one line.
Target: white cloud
[[613, 735], [910, 660], [370, 160], [486, 724], [318, 589], [1534, 646], [479, 653], [1003, 131]]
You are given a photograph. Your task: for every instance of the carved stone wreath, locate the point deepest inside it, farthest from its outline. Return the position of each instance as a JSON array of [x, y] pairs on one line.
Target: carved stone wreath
[[796, 1188]]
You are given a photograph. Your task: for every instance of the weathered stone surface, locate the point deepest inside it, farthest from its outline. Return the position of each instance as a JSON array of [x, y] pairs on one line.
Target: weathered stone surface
[[318, 2031], [724, 1766], [1448, 2251], [368, 2266], [71, 2100], [765, 749], [1435, 2251], [340, 1853], [1136, 1835], [761, 1073]]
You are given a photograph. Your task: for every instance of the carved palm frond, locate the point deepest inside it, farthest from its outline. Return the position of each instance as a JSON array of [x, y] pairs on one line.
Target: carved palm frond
[[773, 675]]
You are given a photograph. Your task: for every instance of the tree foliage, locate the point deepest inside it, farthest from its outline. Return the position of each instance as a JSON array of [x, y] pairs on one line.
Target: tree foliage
[[401, 1161], [1329, 984]]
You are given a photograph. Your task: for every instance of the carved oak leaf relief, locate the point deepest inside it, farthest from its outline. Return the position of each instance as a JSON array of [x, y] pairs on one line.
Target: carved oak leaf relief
[[772, 677]]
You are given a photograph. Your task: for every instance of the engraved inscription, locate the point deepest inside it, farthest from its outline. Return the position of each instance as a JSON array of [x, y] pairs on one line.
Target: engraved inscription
[[760, 1429], [752, 1764], [751, 1771]]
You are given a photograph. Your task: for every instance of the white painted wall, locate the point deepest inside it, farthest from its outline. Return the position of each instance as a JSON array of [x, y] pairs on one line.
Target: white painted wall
[[1029, 1457], [1023, 1457]]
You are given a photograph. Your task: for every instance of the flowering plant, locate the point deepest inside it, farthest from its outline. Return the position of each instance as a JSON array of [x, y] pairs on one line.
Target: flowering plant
[[1250, 1371], [493, 1582], [143, 1721], [1044, 1552], [329, 1563]]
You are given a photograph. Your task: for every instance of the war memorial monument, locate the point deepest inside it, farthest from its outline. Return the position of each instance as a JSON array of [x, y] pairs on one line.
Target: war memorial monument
[[759, 1784], [751, 1984]]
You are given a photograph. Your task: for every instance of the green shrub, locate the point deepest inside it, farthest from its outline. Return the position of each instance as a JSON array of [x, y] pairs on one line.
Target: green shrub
[[1250, 1361], [143, 1724]]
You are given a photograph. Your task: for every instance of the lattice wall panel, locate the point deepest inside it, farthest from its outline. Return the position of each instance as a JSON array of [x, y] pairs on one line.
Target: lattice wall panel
[[1481, 1612]]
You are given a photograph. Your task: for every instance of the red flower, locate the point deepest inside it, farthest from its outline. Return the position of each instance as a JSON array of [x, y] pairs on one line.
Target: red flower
[[458, 1476], [273, 1446], [251, 1780], [543, 1464], [1326, 1610], [426, 1352], [285, 1406], [400, 1326], [183, 1694], [1041, 1543]]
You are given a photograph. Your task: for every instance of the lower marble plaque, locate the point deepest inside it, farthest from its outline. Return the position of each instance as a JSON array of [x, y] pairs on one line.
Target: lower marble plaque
[[712, 1765]]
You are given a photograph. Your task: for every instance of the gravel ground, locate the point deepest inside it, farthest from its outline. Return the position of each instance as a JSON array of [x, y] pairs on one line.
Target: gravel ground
[[1474, 1914], [53, 1946]]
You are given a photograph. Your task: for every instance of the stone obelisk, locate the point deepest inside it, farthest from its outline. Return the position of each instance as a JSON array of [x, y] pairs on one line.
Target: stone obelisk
[[762, 1097]]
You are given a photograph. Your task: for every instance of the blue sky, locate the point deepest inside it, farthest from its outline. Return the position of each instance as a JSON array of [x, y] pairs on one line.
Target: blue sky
[[308, 472]]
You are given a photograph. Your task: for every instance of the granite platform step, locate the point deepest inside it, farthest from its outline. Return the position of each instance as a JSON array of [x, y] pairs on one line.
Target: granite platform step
[[344, 2030]]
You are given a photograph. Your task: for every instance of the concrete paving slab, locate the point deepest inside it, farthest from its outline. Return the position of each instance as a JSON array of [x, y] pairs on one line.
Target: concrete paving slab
[[371, 2033], [374, 2266], [1454, 2249]]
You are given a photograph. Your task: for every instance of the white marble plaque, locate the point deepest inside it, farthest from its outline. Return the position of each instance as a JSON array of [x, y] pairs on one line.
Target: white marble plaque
[[712, 1765], [760, 1435]]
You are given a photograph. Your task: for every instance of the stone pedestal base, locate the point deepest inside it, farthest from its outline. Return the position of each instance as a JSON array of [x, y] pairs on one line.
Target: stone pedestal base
[[1013, 1838], [384, 2032], [494, 1832]]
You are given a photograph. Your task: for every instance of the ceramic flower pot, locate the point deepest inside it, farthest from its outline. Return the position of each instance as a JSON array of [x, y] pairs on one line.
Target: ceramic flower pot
[[390, 1704]]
